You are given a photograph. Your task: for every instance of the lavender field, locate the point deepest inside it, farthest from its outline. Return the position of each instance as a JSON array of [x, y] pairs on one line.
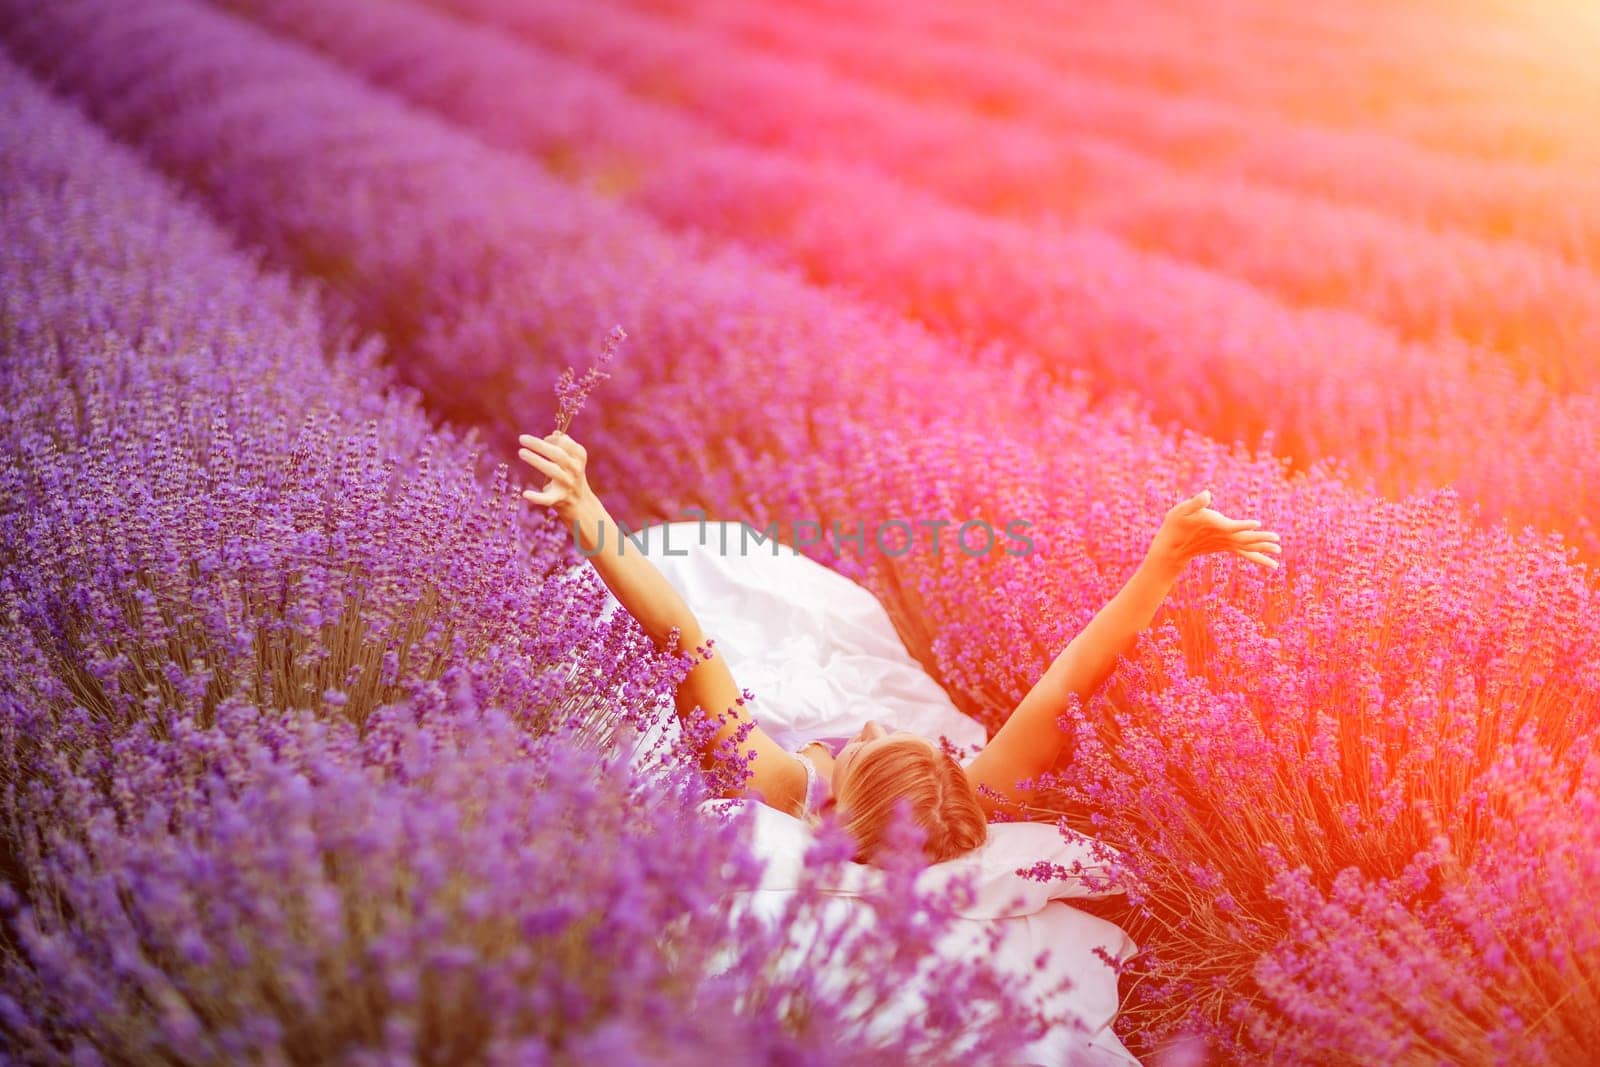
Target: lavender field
[[312, 729]]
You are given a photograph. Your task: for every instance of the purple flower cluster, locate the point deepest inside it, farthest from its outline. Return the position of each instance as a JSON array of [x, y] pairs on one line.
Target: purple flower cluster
[[572, 392], [304, 731], [1467, 954], [1228, 160]]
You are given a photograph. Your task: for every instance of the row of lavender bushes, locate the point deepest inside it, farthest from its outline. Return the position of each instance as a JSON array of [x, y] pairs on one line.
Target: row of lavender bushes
[[1308, 245], [1303, 246], [1341, 715], [1464, 104], [303, 728], [1203, 351], [1472, 194]]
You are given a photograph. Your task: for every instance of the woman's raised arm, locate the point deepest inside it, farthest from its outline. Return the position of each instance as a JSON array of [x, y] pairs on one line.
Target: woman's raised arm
[[1029, 743], [647, 595]]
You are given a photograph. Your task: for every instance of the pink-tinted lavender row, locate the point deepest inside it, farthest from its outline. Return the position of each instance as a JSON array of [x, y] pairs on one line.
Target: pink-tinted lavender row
[[254, 876], [1492, 145], [1260, 669], [1234, 216], [1534, 306], [781, 101], [1451, 81], [1443, 414], [1514, 918]]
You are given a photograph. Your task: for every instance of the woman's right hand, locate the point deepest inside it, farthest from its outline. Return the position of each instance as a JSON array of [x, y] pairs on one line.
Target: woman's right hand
[[564, 462], [1192, 528]]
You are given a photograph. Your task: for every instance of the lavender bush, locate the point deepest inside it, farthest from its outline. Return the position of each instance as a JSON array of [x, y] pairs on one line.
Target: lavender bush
[[203, 503], [446, 889]]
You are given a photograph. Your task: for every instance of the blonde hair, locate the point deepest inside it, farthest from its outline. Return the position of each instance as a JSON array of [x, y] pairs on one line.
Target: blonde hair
[[943, 801]]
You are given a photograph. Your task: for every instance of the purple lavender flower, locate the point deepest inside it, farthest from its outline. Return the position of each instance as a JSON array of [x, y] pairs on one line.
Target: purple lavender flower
[[570, 395]]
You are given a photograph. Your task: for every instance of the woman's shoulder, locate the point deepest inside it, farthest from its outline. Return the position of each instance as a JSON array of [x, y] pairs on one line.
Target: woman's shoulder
[[795, 782], [817, 764], [776, 777]]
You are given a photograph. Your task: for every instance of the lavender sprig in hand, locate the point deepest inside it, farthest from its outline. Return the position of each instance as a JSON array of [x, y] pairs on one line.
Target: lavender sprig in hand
[[571, 392]]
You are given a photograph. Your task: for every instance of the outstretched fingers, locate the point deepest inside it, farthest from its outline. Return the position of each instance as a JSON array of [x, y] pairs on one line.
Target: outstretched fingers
[[1212, 531], [1257, 546], [1254, 544]]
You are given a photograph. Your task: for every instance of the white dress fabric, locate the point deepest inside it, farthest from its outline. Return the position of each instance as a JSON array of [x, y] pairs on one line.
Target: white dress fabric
[[821, 657]]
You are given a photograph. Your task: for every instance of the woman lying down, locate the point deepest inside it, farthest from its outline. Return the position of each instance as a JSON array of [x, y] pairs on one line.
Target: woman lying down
[[862, 782]]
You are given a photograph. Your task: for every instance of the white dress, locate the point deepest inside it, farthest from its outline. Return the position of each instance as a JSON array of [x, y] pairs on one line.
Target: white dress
[[821, 657]]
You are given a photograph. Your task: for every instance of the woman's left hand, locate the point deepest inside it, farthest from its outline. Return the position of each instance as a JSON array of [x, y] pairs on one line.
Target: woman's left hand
[[564, 462], [1192, 529]]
